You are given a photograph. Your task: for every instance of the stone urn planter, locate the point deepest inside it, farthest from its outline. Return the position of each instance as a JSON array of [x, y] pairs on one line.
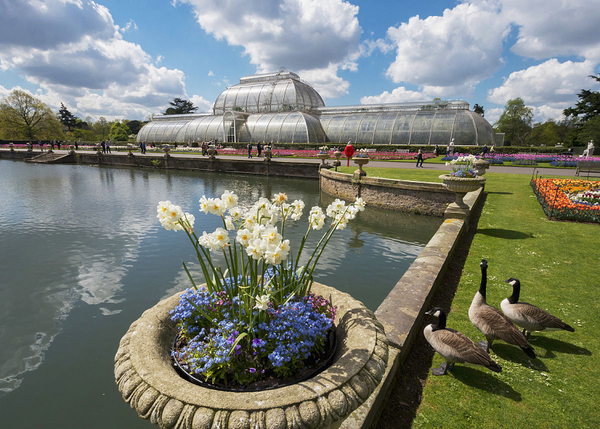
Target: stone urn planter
[[29, 147], [212, 152], [11, 146], [323, 156], [167, 149], [268, 154], [360, 162], [480, 166], [337, 154], [461, 186], [148, 381]]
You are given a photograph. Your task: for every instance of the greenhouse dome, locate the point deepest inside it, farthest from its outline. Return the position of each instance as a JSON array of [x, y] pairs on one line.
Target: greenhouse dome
[[281, 108]]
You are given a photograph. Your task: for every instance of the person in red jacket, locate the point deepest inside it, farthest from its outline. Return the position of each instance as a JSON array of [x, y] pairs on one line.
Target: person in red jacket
[[349, 151]]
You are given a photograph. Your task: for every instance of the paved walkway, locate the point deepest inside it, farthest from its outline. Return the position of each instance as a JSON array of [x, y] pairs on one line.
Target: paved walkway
[[384, 164]]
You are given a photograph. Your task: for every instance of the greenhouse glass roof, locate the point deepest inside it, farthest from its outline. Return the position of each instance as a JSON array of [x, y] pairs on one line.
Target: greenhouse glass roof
[[281, 108]]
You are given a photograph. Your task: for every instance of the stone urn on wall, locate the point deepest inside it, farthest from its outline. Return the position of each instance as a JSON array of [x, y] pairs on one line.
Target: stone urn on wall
[[360, 161], [480, 166], [148, 381], [337, 154], [461, 186]]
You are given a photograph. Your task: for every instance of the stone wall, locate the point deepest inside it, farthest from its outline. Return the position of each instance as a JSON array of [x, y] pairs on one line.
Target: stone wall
[[400, 195], [222, 165]]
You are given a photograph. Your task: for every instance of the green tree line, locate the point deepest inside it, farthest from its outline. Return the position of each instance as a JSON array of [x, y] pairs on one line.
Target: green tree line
[[24, 117], [580, 123]]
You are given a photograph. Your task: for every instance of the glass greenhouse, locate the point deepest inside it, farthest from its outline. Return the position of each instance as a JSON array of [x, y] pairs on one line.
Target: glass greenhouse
[[281, 108]]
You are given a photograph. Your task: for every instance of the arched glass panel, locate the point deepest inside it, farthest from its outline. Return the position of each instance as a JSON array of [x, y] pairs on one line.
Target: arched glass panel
[[384, 127], [421, 128], [300, 132], [366, 128], [334, 128], [350, 129], [402, 128], [464, 129], [231, 100], [442, 127]]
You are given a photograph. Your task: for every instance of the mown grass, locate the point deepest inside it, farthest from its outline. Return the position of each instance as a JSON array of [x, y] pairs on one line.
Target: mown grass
[[558, 265]]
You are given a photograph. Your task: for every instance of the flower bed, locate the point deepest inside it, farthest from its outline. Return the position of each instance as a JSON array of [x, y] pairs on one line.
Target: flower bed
[[569, 199]]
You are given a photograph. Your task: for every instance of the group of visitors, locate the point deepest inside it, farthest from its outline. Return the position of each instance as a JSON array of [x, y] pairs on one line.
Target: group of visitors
[[142, 147], [209, 144], [105, 146], [259, 148]]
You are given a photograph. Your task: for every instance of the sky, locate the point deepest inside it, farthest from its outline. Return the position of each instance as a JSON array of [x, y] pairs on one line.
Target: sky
[[127, 59]]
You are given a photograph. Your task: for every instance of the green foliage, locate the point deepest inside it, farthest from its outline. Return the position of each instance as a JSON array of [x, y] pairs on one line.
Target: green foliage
[[119, 132], [102, 128], [180, 106], [548, 134], [590, 131], [515, 122], [134, 126], [84, 135], [588, 106], [23, 117], [66, 117]]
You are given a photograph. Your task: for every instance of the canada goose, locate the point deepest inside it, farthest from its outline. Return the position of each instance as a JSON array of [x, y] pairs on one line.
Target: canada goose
[[454, 347], [492, 322], [528, 316]]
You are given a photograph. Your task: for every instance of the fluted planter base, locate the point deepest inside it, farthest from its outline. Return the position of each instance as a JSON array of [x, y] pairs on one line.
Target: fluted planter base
[[149, 383], [461, 186]]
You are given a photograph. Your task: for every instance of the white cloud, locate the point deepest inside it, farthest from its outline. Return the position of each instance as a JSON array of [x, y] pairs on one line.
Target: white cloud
[[326, 81], [553, 83], [77, 56], [545, 112], [398, 95], [201, 103], [550, 28], [449, 55], [311, 36], [492, 115]]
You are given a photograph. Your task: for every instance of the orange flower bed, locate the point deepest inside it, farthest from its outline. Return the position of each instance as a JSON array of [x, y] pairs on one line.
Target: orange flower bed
[[564, 198]]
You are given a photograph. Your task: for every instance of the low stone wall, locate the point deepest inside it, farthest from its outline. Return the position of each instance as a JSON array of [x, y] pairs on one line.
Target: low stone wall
[[401, 195], [401, 313], [222, 165]]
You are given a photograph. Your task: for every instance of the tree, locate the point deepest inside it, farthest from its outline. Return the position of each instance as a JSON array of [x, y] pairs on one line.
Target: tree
[[25, 117], [67, 118], [180, 107], [134, 126], [515, 122], [548, 134], [479, 110], [588, 105], [119, 132], [102, 127]]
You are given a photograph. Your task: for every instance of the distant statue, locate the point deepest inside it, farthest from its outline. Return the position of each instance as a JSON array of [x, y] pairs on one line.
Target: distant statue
[[451, 147], [590, 149]]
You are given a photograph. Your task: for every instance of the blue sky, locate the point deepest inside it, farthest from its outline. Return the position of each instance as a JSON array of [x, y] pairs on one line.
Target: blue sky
[[128, 59]]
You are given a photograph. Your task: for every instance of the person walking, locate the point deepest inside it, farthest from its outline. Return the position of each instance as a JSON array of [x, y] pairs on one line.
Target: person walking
[[108, 146], [259, 148], [420, 158], [41, 145], [249, 150], [103, 145]]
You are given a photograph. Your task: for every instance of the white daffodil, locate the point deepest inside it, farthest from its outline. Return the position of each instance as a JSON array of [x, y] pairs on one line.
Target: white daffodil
[[279, 199], [262, 303], [243, 236], [221, 237], [229, 223], [229, 199]]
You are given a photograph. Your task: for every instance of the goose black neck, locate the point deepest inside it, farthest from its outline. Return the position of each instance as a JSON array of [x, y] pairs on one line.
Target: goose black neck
[[441, 324], [483, 286], [514, 298]]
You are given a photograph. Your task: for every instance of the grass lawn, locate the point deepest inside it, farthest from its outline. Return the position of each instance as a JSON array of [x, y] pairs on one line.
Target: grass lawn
[[558, 265]]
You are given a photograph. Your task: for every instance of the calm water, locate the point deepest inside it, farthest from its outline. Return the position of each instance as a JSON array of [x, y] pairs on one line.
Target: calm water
[[83, 255]]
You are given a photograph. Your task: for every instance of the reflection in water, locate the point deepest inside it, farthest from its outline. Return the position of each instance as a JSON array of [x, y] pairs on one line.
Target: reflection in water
[[84, 256]]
